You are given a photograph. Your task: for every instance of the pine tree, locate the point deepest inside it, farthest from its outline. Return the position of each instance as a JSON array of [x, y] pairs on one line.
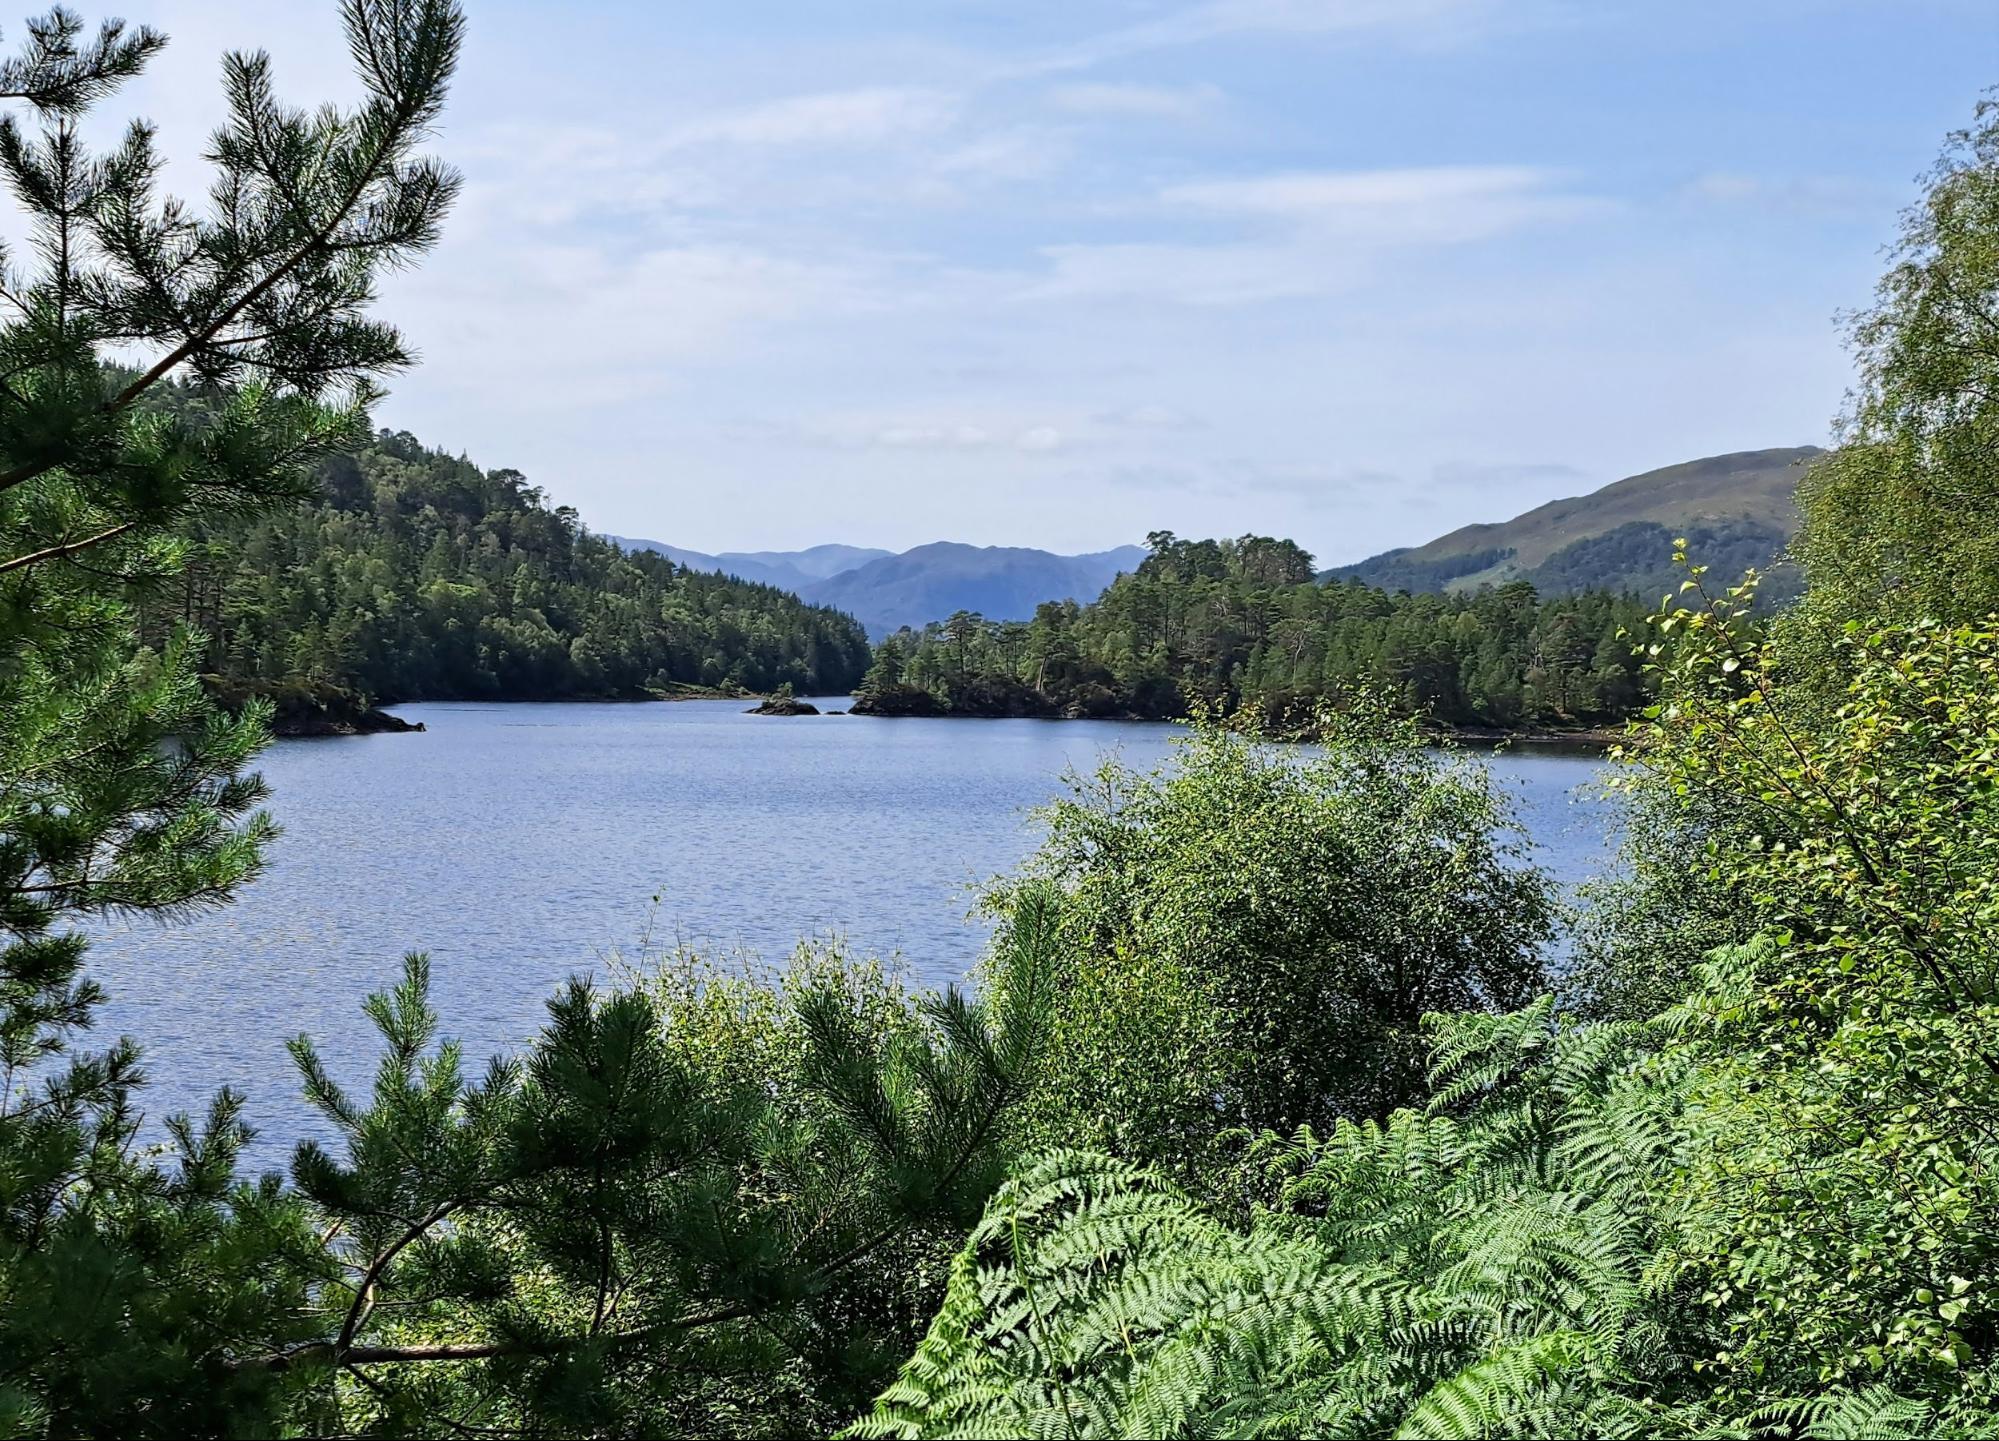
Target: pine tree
[[122, 788]]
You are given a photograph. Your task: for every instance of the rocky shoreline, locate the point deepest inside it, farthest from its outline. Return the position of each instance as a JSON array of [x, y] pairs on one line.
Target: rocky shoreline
[[306, 709], [366, 721]]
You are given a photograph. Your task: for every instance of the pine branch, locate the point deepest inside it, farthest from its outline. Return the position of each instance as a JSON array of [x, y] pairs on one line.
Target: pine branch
[[70, 547]]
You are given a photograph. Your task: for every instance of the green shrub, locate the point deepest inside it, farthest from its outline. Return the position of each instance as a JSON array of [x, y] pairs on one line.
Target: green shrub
[[1252, 935]]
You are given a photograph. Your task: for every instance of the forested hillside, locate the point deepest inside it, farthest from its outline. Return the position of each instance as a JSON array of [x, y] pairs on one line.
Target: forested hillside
[[1739, 509], [412, 574], [1235, 621]]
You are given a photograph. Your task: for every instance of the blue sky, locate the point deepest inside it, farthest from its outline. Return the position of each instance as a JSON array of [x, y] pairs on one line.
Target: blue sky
[[756, 275]]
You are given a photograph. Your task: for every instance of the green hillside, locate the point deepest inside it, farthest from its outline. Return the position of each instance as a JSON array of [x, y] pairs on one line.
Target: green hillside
[[1736, 511], [413, 574]]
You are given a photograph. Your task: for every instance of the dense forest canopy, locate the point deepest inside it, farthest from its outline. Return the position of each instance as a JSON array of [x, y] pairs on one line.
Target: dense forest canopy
[[411, 574], [1234, 622]]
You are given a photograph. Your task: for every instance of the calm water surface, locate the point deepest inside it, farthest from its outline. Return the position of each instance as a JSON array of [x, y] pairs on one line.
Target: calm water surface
[[521, 844]]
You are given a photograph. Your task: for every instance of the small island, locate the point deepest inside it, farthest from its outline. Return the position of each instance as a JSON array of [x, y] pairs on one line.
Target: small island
[[782, 702]]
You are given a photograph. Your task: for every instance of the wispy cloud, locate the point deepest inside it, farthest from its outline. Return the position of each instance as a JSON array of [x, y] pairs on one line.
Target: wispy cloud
[[839, 117], [1235, 478], [1188, 274], [990, 433], [1432, 205], [1149, 417], [1310, 233], [1315, 193], [1508, 477], [1811, 196], [1148, 102], [1424, 21]]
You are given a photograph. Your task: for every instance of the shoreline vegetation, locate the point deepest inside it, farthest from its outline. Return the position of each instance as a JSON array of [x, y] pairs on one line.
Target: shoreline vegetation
[[916, 703], [303, 709], [1247, 627], [308, 709]]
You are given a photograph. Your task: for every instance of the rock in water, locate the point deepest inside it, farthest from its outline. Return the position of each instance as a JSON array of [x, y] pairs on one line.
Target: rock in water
[[783, 705]]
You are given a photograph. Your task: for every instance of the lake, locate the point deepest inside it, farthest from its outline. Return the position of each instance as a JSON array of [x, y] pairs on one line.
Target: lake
[[520, 844]]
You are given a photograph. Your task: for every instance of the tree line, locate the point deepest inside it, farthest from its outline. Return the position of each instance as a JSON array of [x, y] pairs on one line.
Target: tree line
[[1273, 1114], [1232, 623]]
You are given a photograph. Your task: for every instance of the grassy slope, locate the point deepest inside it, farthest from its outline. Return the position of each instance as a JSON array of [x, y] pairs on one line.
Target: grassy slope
[[1758, 486]]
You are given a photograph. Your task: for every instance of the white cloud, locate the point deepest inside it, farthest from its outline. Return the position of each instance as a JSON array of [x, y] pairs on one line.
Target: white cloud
[[1008, 155], [1149, 417], [838, 117], [1446, 204], [1311, 484], [1725, 187], [785, 290], [1421, 21], [1222, 274], [995, 432], [596, 328], [1312, 233], [1314, 193], [933, 437], [1817, 196], [1161, 102], [1305, 17]]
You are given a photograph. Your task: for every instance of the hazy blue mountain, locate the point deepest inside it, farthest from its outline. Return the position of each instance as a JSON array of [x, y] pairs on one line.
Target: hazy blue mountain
[[885, 591], [790, 569], [692, 559], [817, 563], [1735, 511], [999, 582]]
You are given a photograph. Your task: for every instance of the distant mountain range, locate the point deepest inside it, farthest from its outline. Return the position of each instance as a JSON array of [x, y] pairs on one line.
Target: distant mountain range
[[1735, 511], [886, 591], [788, 569]]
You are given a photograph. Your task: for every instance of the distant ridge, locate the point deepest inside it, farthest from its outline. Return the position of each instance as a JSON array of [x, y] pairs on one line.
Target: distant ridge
[[886, 591], [1736, 511], [787, 569], [933, 581]]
